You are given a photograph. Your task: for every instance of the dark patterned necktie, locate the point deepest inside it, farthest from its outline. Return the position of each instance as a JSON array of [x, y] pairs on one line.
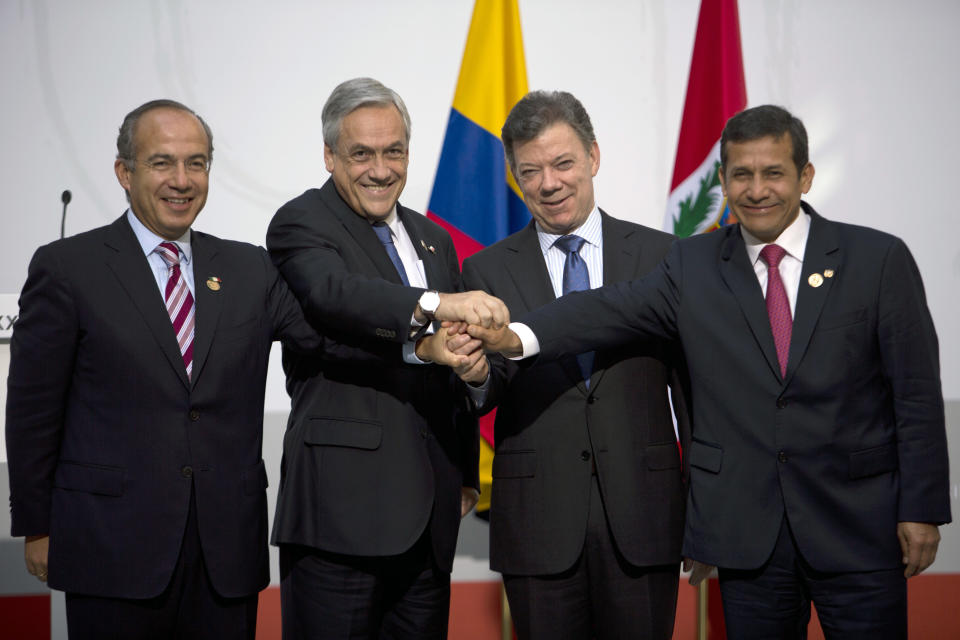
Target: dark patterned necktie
[[778, 306], [383, 232], [179, 302]]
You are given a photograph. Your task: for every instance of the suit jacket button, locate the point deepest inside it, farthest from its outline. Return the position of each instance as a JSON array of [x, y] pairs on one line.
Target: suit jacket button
[[782, 403], [584, 455], [187, 471], [781, 456], [591, 400], [194, 415], [423, 433]]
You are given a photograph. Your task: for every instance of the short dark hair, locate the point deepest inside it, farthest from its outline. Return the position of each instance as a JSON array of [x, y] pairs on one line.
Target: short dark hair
[[126, 147], [538, 110], [760, 122]]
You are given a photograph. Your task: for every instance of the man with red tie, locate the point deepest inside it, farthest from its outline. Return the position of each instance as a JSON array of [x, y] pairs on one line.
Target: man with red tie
[[818, 461]]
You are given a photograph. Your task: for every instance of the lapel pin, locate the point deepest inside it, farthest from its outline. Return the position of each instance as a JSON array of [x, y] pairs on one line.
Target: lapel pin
[[828, 273], [815, 280], [213, 283], [428, 248]]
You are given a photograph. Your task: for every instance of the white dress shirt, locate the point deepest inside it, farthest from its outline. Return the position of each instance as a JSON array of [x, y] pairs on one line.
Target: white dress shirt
[[416, 275], [148, 242]]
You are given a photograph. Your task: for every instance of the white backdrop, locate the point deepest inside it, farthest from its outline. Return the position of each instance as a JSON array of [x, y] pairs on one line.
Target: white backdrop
[[874, 80]]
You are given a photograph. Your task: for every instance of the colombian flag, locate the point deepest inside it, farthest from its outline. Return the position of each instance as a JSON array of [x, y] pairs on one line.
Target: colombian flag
[[474, 196]]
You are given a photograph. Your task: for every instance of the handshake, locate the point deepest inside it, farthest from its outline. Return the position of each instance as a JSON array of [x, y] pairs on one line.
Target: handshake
[[472, 322]]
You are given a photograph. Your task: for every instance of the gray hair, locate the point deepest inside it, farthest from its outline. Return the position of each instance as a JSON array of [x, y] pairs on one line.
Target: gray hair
[[538, 110], [350, 96], [126, 147]]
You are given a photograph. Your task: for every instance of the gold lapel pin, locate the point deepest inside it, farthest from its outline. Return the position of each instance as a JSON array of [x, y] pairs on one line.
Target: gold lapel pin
[[815, 280], [828, 273], [213, 283], [428, 248]]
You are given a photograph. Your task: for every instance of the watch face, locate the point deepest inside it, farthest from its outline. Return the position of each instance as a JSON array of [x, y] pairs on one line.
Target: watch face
[[429, 302]]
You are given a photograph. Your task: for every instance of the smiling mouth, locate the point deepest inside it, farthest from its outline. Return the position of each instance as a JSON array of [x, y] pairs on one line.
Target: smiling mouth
[[555, 203], [377, 188]]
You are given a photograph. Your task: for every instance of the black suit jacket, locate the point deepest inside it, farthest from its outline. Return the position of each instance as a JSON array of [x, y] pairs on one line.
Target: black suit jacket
[[105, 434], [848, 443], [375, 449], [551, 429]]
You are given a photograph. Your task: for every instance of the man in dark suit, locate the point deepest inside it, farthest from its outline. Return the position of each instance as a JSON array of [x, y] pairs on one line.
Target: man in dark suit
[[818, 460], [135, 404], [380, 453], [586, 517]]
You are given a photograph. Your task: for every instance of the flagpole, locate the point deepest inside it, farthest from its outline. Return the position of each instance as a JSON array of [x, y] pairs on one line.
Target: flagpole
[[506, 622], [702, 610]]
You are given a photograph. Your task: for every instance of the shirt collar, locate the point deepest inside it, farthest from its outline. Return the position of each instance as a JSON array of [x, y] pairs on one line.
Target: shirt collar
[[591, 230], [793, 239], [149, 240], [392, 220]]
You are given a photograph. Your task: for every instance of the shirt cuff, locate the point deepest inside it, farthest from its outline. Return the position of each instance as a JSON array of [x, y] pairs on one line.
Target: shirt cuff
[[479, 394], [410, 348], [531, 346]]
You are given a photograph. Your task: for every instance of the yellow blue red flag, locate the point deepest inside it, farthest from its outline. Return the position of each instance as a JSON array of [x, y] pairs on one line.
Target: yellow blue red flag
[[474, 197]]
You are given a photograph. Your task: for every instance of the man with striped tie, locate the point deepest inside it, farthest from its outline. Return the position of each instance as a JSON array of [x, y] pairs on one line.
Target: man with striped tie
[[135, 404]]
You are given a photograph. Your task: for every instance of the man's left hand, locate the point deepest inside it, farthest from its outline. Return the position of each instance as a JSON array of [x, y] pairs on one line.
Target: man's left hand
[[918, 541]]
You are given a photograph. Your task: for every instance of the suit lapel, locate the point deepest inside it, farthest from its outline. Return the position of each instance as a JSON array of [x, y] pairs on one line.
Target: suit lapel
[[738, 274], [433, 268], [126, 260], [208, 302], [821, 254], [525, 265], [619, 264], [359, 229]]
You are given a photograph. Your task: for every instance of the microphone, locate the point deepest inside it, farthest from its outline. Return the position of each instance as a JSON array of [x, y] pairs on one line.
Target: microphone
[[65, 198]]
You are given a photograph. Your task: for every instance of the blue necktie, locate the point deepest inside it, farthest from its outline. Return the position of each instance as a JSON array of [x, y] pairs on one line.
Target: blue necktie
[[383, 232], [576, 278]]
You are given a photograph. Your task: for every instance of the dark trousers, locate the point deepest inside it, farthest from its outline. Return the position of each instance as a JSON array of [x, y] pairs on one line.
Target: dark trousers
[[774, 600], [329, 596], [188, 609], [601, 596]]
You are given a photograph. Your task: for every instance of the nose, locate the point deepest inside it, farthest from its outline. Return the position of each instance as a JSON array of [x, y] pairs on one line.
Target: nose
[[180, 179], [378, 168], [550, 181], [757, 190]]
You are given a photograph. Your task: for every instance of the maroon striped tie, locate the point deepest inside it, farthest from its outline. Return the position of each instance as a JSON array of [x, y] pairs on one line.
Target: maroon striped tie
[[778, 306], [179, 302]]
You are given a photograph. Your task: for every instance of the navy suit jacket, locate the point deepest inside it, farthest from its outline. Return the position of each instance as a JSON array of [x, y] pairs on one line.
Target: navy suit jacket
[[105, 433], [376, 450], [551, 430], [848, 443]]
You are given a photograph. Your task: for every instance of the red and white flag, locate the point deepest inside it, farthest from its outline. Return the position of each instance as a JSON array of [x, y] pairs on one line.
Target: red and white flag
[[715, 91]]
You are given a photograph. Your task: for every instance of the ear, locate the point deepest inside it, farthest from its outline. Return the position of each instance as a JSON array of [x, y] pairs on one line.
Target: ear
[[723, 186], [806, 178], [123, 174], [594, 158], [329, 158]]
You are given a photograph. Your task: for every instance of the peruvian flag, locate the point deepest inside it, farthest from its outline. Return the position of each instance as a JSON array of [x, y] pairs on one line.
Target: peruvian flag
[[715, 91]]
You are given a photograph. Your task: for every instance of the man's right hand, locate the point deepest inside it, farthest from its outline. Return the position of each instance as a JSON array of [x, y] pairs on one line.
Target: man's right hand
[[35, 552], [502, 340], [473, 307]]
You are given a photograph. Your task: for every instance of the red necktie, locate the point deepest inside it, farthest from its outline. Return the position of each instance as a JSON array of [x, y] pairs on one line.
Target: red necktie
[[179, 302], [778, 306]]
